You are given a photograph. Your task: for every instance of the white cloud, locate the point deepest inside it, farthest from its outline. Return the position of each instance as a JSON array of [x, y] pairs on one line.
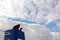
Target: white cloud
[[10, 7], [5, 23], [55, 35], [34, 11], [37, 32]]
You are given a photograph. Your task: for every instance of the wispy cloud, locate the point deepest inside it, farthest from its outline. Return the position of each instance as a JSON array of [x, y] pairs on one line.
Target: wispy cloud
[[38, 11]]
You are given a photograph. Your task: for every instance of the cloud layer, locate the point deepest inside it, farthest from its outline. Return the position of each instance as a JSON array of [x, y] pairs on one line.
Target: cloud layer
[[39, 11], [28, 12]]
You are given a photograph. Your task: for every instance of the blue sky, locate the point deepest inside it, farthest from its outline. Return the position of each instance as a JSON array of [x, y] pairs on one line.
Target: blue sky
[[52, 25]]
